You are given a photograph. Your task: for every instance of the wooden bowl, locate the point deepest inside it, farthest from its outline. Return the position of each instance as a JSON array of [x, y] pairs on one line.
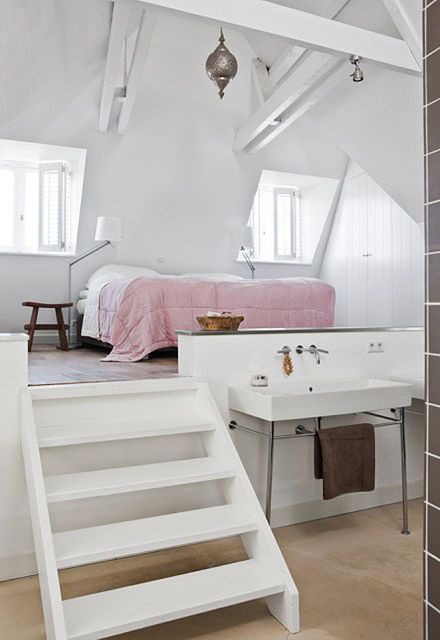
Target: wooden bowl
[[220, 323]]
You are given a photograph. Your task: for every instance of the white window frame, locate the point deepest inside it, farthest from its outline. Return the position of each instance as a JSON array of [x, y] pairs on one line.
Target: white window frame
[[18, 245], [283, 257], [256, 224]]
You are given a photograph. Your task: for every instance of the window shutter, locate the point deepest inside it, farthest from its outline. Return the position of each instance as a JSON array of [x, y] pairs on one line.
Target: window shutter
[[52, 206], [285, 233], [8, 223]]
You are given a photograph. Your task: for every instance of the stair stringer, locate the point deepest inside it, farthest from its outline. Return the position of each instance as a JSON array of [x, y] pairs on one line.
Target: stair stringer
[[260, 545], [44, 549]]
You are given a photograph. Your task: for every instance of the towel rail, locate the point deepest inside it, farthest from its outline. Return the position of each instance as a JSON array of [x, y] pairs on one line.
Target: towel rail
[[302, 432]]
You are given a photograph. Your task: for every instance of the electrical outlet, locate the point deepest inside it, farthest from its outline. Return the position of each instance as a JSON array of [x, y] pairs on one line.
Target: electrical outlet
[[375, 346]]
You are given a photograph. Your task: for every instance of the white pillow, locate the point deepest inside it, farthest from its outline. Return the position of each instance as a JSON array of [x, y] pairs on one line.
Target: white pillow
[[221, 277], [111, 272]]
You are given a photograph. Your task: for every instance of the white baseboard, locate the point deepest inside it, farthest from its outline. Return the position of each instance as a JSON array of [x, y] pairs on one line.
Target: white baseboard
[[21, 566], [317, 509], [24, 565], [46, 337], [49, 337]]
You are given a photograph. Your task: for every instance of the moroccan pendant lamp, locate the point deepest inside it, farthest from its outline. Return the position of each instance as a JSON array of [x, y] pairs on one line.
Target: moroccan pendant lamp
[[221, 65]]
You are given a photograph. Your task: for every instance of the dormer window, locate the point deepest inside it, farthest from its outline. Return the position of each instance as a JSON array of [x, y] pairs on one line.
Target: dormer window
[[288, 216], [39, 198], [276, 223]]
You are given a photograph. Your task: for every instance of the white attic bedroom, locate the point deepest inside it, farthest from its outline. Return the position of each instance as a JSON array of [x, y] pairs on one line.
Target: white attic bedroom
[[181, 270], [52, 96]]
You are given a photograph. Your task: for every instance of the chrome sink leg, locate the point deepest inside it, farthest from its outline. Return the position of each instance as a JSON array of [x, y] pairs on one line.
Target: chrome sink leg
[[270, 442], [405, 529]]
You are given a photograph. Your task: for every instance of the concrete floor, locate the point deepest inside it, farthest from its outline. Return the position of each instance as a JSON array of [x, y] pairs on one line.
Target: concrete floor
[[358, 579]]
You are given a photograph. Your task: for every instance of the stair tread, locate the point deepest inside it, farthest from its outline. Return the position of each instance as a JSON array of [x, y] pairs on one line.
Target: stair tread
[[122, 610], [113, 388], [95, 544], [140, 477], [122, 428]]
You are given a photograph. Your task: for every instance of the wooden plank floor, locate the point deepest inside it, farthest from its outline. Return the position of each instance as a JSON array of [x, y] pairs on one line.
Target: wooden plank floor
[[49, 365]]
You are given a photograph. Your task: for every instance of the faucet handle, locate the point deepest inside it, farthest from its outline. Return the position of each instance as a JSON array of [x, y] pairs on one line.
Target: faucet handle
[[315, 348], [285, 349]]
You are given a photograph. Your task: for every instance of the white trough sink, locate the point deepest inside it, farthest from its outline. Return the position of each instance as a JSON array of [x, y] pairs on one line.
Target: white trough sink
[[317, 398]]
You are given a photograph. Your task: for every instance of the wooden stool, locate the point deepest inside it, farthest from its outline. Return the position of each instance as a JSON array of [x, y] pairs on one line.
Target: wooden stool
[[60, 326]]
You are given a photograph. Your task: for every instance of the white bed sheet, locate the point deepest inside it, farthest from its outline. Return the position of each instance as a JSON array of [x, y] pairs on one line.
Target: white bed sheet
[[81, 306]]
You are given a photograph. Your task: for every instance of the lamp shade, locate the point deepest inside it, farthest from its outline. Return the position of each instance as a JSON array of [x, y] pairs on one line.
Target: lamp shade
[[242, 237], [108, 228]]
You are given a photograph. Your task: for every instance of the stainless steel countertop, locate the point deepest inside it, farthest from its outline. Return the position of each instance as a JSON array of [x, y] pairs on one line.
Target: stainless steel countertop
[[182, 332]]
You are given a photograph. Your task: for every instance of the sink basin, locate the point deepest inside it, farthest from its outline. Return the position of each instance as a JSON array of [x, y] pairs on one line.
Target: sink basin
[[317, 398], [417, 382]]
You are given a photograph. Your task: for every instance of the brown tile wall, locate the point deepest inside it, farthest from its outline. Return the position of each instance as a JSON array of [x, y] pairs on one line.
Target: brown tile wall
[[431, 57]]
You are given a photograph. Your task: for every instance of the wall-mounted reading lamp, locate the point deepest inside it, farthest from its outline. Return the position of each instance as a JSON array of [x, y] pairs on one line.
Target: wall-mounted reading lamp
[[243, 241]]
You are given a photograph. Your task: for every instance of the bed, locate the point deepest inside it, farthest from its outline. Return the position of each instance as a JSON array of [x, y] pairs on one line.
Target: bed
[[137, 311]]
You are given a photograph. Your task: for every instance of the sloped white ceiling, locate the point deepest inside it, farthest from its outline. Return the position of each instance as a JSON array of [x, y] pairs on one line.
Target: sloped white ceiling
[[378, 122], [49, 50], [371, 15]]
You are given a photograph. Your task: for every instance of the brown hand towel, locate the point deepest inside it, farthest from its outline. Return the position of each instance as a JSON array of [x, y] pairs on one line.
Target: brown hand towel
[[345, 459]]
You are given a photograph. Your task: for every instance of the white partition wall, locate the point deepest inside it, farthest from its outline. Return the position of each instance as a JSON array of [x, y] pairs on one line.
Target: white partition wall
[[224, 360], [16, 544], [221, 360]]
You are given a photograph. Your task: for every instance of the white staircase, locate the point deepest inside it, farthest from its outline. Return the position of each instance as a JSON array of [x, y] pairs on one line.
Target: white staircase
[[66, 416]]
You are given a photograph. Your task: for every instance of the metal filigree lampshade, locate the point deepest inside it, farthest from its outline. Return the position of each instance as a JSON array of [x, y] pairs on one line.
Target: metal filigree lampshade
[[221, 65]]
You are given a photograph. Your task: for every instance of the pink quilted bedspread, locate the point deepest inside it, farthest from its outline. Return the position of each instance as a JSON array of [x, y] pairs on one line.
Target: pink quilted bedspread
[[143, 315]]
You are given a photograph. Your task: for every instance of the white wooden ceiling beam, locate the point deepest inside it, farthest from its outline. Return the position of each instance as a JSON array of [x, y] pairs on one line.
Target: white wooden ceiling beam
[[405, 27], [292, 53], [285, 61], [118, 30], [262, 83], [311, 70], [335, 73], [302, 28], [143, 41]]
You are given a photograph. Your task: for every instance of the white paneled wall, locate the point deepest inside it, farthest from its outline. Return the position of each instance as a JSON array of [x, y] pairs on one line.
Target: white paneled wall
[[374, 258]]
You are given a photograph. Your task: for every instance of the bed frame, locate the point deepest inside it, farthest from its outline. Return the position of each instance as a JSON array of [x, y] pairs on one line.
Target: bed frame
[[85, 340]]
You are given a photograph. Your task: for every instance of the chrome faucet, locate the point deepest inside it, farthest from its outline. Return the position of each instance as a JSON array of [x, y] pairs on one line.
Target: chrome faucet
[[313, 349], [285, 349]]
